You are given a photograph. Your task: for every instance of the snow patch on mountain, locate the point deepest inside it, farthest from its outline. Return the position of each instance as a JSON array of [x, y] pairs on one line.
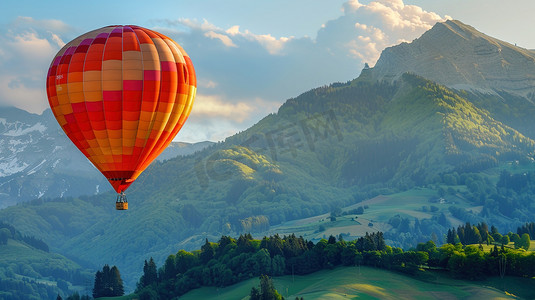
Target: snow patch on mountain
[[11, 166], [55, 164], [20, 131], [34, 169]]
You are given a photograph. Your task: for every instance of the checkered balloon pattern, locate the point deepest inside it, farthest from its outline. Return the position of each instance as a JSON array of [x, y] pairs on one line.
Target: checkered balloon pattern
[[121, 94]]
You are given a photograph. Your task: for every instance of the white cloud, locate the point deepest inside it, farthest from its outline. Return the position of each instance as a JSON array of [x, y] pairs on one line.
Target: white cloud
[[237, 64], [51, 25], [194, 24], [361, 33], [207, 84], [270, 43], [223, 38], [214, 118], [207, 106], [213, 130], [27, 47], [14, 92], [242, 75], [351, 6], [57, 39], [273, 45], [383, 23], [234, 30], [395, 14]]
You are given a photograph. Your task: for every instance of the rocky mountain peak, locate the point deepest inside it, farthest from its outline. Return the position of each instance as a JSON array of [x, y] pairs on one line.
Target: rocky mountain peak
[[459, 56]]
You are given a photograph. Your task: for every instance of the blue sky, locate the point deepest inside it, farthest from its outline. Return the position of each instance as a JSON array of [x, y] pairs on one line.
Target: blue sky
[[250, 56]]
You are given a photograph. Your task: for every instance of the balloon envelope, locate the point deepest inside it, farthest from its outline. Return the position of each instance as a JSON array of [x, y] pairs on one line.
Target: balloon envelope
[[121, 94]]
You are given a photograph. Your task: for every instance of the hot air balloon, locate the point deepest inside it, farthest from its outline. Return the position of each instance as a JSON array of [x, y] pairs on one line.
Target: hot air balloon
[[121, 94]]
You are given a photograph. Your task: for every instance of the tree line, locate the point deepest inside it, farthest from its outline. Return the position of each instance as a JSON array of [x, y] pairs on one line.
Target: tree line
[[7, 231], [528, 228], [230, 260]]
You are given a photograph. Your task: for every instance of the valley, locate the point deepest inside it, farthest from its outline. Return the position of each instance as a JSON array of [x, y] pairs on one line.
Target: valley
[[395, 150]]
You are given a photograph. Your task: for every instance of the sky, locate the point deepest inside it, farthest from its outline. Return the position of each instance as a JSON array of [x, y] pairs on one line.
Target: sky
[[250, 56]]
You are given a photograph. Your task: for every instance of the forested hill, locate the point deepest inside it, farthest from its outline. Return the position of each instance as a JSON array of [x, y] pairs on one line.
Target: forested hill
[[29, 271], [471, 254], [329, 148]]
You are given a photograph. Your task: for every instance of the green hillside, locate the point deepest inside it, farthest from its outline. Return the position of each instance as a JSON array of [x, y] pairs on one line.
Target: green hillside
[[371, 283], [329, 148], [27, 272]]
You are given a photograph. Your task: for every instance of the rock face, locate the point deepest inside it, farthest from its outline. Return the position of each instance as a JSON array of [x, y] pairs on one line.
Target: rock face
[[460, 57]]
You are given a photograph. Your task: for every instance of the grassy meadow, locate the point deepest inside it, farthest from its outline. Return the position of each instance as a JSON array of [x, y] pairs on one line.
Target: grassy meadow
[[379, 210], [371, 283]]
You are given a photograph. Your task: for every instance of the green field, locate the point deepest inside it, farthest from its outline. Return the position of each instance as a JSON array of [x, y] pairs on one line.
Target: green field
[[511, 245], [372, 283], [380, 209]]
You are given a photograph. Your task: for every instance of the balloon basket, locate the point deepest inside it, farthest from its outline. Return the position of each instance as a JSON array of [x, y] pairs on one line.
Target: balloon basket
[[121, 203]]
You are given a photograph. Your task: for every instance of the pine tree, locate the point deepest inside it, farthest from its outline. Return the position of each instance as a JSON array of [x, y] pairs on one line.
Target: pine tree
[[99, 285], [449, 237], [255, 294], [116, 282], [150, 273], [493, 230], [267, 289], [332, 239], [244, 243], [460, 233], [483, 231], [380, 241], [207, 252], [108, 283]]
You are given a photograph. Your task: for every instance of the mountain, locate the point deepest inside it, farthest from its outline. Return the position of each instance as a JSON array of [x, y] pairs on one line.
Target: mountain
[[326, 149], [458, 56], [38, 161], [329, 148]]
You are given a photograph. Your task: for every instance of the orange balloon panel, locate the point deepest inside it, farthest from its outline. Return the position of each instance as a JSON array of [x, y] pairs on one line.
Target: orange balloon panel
[[121, 94]]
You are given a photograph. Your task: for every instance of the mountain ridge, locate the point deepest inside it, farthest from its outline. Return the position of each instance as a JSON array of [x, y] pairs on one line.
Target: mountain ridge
[[458, 56], [270, 174], [327, 148]]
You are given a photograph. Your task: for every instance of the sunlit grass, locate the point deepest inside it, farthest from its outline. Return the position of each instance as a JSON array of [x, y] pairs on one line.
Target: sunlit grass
[[362, 283]]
